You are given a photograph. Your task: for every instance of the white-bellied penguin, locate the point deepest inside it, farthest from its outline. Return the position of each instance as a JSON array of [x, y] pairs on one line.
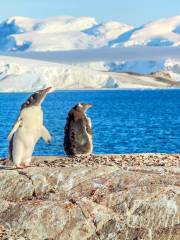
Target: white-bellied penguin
[[78, 131], [28, 129]]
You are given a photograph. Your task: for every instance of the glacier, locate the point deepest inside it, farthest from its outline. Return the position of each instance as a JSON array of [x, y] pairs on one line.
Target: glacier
[[26, 75]]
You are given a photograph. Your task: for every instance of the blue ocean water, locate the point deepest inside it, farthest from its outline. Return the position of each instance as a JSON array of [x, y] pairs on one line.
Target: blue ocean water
[[124, 121]]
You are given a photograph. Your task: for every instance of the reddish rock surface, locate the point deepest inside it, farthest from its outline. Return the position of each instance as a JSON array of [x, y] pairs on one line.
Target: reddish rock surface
[[113, 197]]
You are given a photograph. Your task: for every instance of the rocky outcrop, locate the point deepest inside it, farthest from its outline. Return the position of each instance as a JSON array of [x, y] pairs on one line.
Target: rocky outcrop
[[109, 197]]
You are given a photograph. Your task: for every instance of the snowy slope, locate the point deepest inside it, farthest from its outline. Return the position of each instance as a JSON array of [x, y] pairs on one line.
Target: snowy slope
[[67, 33], [57, 33], [45, 34], [20, 75], [107, 31], [17, 74], [168, 66], [163, 32]]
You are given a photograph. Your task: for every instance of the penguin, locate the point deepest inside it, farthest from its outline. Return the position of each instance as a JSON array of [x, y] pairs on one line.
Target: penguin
[[78, 131], [27, 130]]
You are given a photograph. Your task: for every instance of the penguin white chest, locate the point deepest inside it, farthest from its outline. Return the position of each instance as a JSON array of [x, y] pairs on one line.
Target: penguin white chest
[[89, 135], [32, 122]]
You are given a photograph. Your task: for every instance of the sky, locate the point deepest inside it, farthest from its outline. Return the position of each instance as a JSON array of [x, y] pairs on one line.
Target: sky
[[134, 12]]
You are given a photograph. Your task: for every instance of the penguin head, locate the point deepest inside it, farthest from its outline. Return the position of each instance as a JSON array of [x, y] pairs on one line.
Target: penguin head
[[82, 107], [36, 98]]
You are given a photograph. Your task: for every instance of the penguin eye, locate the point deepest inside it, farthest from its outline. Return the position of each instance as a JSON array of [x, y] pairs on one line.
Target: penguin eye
[[80, 105], [35, 96]]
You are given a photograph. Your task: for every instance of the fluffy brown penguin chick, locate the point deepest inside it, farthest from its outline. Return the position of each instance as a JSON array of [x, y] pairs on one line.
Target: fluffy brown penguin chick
[[78, 131]]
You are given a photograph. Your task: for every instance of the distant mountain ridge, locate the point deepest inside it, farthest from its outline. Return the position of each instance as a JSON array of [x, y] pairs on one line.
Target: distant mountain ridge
[[162, 32], [57, 33], [69, 33]]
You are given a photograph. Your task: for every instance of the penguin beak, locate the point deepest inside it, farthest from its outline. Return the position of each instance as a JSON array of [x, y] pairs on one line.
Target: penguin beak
[[46, 90], [42, 94], [87, 106]]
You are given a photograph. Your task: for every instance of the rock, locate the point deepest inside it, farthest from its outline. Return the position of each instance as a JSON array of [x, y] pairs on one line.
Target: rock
[[132, 197]]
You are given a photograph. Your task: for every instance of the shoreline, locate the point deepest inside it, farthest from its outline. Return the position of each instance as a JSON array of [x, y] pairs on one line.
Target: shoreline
[[120, 160], [102, 89]]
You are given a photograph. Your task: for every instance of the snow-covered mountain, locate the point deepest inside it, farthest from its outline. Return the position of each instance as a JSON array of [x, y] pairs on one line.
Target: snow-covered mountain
[[57, 33], [163, 32], [67, 33]]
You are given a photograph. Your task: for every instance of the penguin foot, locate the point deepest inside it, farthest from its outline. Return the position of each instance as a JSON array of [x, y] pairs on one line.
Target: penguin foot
[[19, 166], [28, 165]]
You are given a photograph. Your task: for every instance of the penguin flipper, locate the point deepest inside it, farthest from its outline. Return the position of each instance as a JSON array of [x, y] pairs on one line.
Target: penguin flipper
[[15, 127], [45, 135], [10, 149], [88, 126]]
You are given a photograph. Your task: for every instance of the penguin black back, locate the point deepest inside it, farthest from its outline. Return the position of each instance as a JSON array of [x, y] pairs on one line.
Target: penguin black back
[[78, 131]]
